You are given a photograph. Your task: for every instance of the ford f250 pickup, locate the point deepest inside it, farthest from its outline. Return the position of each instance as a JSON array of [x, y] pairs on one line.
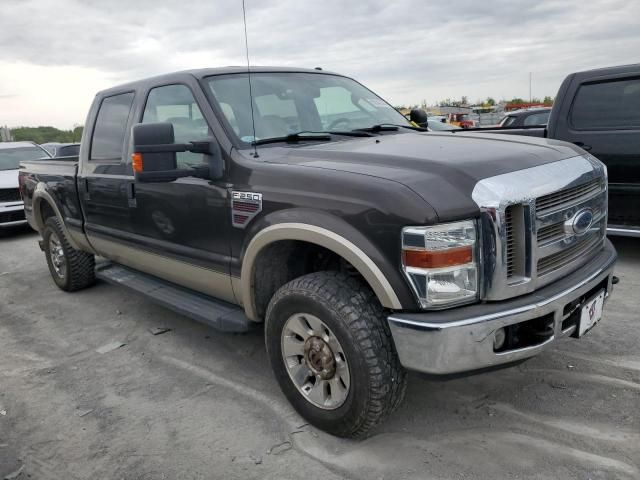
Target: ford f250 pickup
[[300, 200]]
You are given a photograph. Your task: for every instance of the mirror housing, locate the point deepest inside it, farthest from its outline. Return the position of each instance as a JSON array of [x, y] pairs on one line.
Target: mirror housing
[[419, 117], [154, 157]]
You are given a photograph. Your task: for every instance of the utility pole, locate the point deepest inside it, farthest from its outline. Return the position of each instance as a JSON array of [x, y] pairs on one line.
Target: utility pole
[[530, 97]]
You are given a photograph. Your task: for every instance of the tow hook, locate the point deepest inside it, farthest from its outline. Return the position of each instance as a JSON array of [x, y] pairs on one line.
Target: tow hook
[[41, 244]]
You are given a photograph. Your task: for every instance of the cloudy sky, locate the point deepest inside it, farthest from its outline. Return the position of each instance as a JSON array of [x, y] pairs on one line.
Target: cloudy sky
[[55, 54]]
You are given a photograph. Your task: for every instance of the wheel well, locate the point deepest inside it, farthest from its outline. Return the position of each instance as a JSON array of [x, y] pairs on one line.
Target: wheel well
[[282, 261], [46, 211]]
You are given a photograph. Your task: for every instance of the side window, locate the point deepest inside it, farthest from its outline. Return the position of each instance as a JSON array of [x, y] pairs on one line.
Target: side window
[[537, 119], [614, 104], [508, 121], [175, 104], [109, 131]]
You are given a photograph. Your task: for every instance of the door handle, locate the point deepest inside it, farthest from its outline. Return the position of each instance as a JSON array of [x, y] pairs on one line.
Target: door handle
[[87, 195], [583, 146], [131, 195]]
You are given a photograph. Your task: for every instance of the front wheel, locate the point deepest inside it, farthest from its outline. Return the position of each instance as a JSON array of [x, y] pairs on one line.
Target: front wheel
[[332, 353]]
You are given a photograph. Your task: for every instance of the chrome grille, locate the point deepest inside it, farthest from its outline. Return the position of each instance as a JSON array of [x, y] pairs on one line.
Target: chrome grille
[[9, 195], [567, 197], [530, 218]]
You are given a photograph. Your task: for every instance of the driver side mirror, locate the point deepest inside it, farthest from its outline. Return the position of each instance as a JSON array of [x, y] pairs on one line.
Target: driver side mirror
[[419, 117], [154, 154]]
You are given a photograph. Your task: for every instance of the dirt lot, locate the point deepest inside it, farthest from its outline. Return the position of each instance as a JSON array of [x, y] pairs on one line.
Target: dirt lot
[[195, 404]]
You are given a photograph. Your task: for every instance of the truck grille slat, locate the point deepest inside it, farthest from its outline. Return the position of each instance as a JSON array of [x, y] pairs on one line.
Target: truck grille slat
[[550, 233], [508, 221], [558, 260], [565, 198]]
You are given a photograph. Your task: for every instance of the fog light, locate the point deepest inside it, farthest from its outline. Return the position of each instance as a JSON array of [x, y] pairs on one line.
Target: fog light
[[499, 338]]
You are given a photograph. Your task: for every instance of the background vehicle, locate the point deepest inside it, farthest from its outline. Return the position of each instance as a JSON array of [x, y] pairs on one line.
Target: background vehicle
[[11, 154], [599, 110], [461, 120], [62, 149], [365, 245], [439, 126], [526, 118]]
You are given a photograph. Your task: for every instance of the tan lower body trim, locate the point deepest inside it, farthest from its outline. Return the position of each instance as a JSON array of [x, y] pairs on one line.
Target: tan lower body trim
[[197, 278]]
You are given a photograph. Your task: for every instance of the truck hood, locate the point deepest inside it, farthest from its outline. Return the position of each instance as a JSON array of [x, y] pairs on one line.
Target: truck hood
[[442, 168], [9, 178]]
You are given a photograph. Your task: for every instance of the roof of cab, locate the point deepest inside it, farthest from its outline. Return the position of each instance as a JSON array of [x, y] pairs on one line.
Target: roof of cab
[[200, 73], [629, 68]]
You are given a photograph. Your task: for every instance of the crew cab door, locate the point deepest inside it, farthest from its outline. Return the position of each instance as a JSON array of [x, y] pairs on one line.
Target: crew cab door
[[183, 224], [603, 117], [104, 180]]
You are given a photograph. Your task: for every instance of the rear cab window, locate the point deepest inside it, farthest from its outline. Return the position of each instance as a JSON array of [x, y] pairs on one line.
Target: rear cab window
[[613, 104], [107, 142], [541, 118]]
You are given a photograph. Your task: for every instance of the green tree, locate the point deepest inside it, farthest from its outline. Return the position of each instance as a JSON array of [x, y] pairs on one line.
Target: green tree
[[46, 134], [548, 100], [490, 101]]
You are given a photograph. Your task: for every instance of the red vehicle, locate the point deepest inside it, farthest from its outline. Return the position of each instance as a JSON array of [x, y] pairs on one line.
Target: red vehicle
[[461, 120]]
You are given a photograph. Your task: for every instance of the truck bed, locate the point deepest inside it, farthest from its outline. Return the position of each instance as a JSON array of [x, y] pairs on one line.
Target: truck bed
[[58, 178], [526, 131]]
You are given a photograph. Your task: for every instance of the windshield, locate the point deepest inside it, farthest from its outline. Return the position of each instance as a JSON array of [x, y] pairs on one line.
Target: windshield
[[10, 158], [286, 103]]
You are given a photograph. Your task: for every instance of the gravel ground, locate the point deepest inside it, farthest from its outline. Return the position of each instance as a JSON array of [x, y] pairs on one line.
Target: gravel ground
[[195, 404]]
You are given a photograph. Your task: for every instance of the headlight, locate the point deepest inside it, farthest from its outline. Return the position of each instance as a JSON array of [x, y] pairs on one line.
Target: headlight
[[440, 262]]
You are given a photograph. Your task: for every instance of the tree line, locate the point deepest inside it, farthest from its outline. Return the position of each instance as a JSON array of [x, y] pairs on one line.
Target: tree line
[[46, 134]]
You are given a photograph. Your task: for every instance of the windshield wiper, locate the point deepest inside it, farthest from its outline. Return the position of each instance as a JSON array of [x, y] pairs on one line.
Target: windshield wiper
[[389, 127], [310, 136], [293, 137]]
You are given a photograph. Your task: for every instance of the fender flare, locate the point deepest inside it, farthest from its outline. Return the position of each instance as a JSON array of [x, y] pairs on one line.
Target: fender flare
[[40, 195], [319, 236]]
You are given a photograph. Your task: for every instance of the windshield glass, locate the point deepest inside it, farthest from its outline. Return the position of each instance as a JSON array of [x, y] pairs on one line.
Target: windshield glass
[[286, 103], [10, 158]]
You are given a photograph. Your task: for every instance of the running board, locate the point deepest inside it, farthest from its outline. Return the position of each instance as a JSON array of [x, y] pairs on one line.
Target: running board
[[222, 316]]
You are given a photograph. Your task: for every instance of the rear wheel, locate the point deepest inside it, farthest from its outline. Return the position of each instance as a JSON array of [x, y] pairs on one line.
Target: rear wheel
[[70, 269], [332, 353]]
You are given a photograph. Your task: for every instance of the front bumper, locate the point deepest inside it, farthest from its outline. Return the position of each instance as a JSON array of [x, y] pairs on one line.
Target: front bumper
[[462, 339], [12, 214]]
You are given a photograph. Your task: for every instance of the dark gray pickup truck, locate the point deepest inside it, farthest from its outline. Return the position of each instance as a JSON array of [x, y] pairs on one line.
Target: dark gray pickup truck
[[364, 246]]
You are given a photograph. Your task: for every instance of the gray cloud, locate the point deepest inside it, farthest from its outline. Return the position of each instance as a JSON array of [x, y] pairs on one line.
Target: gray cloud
[[405, 49]]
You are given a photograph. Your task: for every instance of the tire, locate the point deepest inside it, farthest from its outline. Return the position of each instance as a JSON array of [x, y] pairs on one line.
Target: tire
[[70, 269], [357, 329]]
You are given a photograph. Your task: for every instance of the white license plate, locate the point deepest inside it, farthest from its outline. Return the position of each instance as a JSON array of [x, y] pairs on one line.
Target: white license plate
[[591, 313]]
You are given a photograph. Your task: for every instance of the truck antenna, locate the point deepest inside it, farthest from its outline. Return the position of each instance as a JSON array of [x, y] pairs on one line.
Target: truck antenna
[[246, 45]]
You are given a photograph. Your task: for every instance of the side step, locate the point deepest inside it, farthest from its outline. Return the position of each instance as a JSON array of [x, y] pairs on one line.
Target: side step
[[222, 316]]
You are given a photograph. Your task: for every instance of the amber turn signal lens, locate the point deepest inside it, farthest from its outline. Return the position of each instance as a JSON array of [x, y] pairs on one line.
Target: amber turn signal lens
[[438, 258], [136, 161]]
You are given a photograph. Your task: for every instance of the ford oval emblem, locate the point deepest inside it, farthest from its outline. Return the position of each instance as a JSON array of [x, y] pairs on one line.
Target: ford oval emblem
[[582, 221]]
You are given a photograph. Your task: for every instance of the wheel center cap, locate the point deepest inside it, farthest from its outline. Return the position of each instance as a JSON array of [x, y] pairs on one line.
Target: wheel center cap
[[319, 357]]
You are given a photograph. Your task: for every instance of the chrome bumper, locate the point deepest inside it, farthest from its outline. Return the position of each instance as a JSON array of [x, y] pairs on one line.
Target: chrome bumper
[[8, 208], [462, 339]]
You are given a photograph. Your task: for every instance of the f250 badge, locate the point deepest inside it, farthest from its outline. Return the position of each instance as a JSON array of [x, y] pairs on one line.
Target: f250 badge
[[244, 206]]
